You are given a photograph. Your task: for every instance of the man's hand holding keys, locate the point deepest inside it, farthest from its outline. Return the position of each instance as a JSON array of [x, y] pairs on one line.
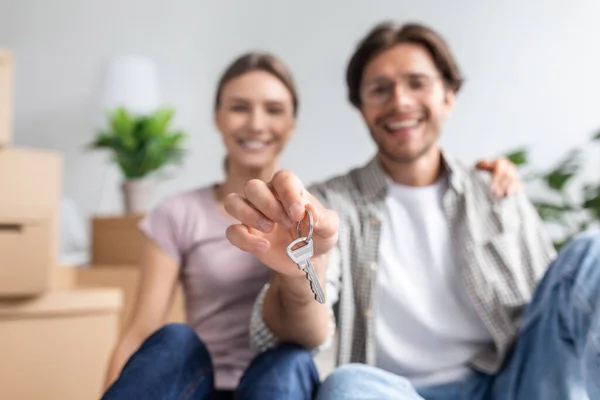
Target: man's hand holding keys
[[268, 214]]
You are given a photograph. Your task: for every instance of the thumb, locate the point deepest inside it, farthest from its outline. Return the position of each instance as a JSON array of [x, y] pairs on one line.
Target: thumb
[[326, 222]]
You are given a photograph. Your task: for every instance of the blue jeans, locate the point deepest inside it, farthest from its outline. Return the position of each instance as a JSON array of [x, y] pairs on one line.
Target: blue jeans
[[555, 357], [173, 363]]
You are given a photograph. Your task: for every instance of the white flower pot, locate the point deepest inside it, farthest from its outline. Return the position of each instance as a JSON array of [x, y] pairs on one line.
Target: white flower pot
[[137, 194]]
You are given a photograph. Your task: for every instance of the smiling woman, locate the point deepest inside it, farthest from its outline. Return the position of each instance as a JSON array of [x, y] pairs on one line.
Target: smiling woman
[[255, 109], [255, 112]]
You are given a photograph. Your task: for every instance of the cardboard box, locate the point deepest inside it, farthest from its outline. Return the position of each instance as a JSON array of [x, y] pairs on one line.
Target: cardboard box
[[126, 278], [57, 346], [6, 96], [31, 188], [116, 240]]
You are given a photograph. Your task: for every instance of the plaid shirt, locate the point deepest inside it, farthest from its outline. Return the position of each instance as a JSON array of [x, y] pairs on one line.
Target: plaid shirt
[[502, 245]]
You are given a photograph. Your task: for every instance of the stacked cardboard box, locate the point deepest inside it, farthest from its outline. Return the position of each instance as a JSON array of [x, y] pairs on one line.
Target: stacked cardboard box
[[30, 183], [123, 277], [117, 244], [59, 339], [116, 240], [57, 345]]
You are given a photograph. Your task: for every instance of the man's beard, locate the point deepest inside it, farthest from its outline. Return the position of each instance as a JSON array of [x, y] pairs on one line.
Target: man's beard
[[402, 159]]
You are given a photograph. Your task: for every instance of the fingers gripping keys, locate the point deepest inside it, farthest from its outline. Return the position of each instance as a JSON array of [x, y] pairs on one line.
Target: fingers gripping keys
[[302, 255]]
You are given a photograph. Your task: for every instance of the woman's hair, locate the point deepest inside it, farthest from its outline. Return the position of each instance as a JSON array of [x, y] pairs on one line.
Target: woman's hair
[[258, 61]]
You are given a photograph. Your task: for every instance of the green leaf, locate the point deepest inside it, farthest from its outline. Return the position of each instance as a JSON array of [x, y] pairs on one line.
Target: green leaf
[[126, 164], [158, 123], [597, 137], [558, 179], [123, 127], [173, 141], [518, 157], [584, 226], [592, 200], [565, 171], [103, 139], [122, 122], [591, 191], [551, 211], [140, 128], [109, 142]]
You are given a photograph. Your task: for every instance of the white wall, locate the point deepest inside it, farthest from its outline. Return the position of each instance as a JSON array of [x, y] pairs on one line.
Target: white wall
[[532, 68]]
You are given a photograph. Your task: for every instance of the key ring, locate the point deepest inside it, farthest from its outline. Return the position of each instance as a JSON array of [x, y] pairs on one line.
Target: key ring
[[311, 227]]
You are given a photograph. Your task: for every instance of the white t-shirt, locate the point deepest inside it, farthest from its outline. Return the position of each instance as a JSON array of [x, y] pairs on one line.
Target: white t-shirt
[[427, 327]]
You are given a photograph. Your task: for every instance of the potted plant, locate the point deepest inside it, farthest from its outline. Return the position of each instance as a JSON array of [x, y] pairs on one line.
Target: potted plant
[[141, 146], [571, 205]]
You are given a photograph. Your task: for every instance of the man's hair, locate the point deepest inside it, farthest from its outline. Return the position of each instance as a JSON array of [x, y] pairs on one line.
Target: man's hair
[[387, 35]]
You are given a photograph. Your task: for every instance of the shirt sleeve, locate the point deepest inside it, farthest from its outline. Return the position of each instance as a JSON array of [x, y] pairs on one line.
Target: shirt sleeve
[[262, 338], [537, 249], [163, 227]]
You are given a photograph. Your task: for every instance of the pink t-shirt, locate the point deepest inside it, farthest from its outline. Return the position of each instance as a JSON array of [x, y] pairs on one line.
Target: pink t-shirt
[[220, 281]]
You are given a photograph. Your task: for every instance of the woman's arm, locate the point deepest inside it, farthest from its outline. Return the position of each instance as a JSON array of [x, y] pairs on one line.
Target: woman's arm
[[159, 275]]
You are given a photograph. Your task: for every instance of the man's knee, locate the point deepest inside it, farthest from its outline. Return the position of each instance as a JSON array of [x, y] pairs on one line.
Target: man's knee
[[351, 370], [357, 372], [356, 379], [579, 261], [585, 243], [581, 256], [346, 373]]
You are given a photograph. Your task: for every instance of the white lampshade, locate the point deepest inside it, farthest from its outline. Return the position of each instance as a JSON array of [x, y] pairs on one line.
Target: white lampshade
[[131, 82]]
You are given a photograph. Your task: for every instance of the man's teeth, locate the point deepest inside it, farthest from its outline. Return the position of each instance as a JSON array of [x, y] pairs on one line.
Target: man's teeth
[[394, 126], [253, 144]]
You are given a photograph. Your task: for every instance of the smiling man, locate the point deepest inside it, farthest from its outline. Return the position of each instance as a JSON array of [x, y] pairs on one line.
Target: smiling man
[[441, 290]]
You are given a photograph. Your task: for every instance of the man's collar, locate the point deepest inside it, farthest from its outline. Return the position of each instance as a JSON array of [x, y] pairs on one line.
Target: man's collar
[[456, 172], [372, 178]]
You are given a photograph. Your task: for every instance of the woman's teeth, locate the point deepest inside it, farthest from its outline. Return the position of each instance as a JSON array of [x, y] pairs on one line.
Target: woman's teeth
[[253, 144]]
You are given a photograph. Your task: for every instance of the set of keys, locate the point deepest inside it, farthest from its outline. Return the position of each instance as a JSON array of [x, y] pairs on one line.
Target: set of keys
[[302, 255]]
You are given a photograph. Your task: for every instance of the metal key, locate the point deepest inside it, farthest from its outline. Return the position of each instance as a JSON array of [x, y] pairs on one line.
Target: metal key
[[301, 256]]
